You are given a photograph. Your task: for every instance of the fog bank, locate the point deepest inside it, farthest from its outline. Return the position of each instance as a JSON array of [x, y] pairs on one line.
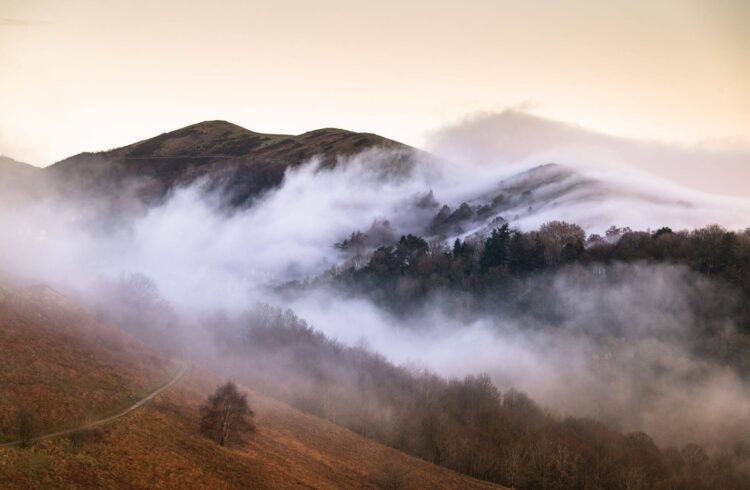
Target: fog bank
[[623, 354]]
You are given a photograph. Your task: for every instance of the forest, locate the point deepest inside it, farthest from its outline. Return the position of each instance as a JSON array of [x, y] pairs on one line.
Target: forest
[[507, 268], [465, 424], [693, 290]]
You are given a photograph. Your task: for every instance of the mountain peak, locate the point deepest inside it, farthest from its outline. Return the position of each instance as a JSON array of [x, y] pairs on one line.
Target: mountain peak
[[224, 139], [203, 138], [230, 156], [217, 124]]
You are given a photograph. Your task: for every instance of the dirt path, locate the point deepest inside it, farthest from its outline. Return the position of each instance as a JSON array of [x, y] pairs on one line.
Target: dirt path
[[97, 423]]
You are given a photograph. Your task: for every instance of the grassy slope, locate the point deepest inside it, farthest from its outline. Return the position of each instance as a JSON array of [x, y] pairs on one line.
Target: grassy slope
[[158, 446], [62, 365], [242, 163], [212, 146]]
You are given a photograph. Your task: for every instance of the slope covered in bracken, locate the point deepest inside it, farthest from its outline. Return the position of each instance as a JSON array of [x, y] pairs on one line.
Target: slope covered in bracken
[[66, 367], [158, 447], [62, 365]]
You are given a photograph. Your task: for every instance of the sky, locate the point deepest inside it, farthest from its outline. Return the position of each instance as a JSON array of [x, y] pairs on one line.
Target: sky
[[92, 75]]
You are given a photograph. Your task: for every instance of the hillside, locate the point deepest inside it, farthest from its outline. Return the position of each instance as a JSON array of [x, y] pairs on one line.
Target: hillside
[[241, 162], [14, 177], [12, 168], [237, 166], [66, 367]]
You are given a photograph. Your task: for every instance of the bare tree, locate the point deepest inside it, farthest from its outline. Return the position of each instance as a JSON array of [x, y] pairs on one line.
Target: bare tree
[[556, 234], [226, 416]]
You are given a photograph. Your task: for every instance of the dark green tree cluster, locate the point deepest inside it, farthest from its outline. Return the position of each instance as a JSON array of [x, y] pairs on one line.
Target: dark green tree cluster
[[496, 249], [498, 269]]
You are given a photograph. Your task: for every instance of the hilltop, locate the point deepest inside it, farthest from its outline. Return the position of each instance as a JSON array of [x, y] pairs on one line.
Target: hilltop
[[236, 166], [241, 162]]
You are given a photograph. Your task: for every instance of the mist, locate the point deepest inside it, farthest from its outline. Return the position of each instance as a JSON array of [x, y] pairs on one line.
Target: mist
[[623, 355], [511, 136]]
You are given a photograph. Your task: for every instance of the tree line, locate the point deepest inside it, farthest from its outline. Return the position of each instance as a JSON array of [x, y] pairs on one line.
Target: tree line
[[464, 424], [498, 267]]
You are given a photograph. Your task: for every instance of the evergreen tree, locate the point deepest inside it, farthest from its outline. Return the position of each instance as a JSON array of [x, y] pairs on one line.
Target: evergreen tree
[[457, 248], [409, 249], [495, 251], [518, 254]]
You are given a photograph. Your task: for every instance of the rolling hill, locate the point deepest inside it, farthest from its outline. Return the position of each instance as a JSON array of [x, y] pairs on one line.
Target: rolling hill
[[240, 162], [239, 165], [12, 168], [16, 176], [67, 368], [63, 365]]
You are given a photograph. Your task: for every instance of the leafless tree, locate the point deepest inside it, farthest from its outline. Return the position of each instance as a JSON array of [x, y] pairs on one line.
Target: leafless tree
[[556, 234], [226, 416]]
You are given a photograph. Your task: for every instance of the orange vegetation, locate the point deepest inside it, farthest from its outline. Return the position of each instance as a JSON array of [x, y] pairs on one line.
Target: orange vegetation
[[62, 365], [65, 365]]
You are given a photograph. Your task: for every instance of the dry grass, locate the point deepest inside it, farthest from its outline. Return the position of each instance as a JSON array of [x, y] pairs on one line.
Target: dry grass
[[64, 366], [159, 447], [63, 362]]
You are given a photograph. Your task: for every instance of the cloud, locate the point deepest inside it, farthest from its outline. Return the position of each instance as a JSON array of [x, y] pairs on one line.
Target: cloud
[[513, 136], [623, 355]]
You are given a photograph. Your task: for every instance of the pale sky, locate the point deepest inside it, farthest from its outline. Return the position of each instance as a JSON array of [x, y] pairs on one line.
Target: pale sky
[[91, 75]]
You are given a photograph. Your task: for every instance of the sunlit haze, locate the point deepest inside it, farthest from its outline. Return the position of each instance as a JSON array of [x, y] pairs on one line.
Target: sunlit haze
[[375, 245], [91, 75]]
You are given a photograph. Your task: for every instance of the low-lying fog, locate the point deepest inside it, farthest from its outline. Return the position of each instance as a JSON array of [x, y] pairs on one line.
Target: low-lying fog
[[622, 356]]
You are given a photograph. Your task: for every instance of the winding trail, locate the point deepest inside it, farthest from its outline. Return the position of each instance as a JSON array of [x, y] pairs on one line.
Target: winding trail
[[96, 423]]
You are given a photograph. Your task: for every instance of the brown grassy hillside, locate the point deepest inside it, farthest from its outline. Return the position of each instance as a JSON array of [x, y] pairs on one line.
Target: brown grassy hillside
[[158, 447], [65, 364], [62, 365]]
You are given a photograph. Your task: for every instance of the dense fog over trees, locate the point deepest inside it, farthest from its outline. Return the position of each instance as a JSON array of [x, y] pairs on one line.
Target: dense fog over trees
[[489, 318]]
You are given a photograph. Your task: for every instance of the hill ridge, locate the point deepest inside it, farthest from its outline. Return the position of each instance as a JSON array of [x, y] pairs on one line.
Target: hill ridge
[[224, 156]]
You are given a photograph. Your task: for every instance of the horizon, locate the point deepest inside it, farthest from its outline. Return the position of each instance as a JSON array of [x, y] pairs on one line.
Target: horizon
[[80, 70], [512, 136]]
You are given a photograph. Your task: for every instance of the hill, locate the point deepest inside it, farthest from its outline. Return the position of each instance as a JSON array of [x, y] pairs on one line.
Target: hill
[[241, 162], [66, 367], [14, 177], [238, 165], [10, 167]]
